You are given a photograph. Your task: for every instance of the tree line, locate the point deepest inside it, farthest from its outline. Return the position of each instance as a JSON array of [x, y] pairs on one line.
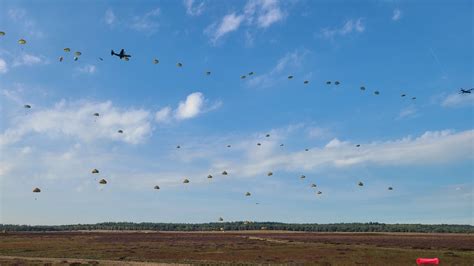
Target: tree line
[[242, 226]]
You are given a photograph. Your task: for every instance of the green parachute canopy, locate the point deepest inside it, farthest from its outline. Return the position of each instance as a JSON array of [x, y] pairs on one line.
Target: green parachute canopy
[[247, 194], [2, 33], [67, 50], [22, 41]]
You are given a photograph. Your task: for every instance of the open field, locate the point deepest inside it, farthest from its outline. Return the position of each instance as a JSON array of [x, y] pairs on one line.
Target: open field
[[259, 247]]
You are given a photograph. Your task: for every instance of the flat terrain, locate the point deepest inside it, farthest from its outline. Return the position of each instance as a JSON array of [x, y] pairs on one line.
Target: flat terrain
[[251, 247]]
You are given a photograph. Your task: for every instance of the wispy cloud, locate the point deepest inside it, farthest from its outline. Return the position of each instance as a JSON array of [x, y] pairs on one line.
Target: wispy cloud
[[26, 59], [109, 17], [407, 112], [3, 66], [350, 26], [28, 25], [147, 22], [193, 8], [259, 13], [458, 100], [289, 63], [194, 105], [87, 69], [397, 14]]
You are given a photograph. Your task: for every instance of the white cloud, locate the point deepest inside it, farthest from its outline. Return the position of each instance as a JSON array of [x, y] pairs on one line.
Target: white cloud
[[458, 100], [76, 120], [193, 8], [3, 66], [109, 17], [349, 26], [147, 22], [163, 115], [29, 60], [318, 132], [191, 107], [260, 13], [87, 69], [397, 14], [286, 65]]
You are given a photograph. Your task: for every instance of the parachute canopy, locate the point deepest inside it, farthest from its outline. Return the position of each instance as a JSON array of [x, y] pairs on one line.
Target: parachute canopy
[[185, 181], [328, 82], [376, 92], [362, 88], [103, 181], [306, 149], [306, 82], [209, 176], [224, 173], [268, 135], [281, 145], [337, 82], [208, 73], [21, 41], [178, 147], [258, 144], [251, 73], [358, 145], [67, 50], [95, 171], [157, 187], [27, 106], [156, 61], [413, 98], [36, 190], [313, 185], [2, 33], [360, 184], [403, 95], [269, 174], [319, 193], [302, 176], [243, 76], [77, 53], [228, 146], [247, 194], [96, 114], [290, 77], [179, 64], [390, 188], [120, 131]]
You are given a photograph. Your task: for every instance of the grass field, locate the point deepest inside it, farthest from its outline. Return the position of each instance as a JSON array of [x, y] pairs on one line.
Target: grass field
[[256, 247]]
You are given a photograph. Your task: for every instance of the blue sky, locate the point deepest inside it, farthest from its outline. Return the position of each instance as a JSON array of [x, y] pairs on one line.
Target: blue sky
[[423, 148]]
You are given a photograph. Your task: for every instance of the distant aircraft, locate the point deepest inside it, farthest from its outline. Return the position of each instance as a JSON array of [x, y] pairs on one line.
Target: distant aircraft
[[463, 91], [121, 55]]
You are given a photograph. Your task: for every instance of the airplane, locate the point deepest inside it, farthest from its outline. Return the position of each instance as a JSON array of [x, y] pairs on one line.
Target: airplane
[[121, 55], [462, 91]]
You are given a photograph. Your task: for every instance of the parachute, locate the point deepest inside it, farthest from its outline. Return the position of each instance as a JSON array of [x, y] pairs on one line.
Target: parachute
[[21, 41], [258, 144], [319, 193], [242, 77], [390, 188], [2, 33], [179, 64], [306, 149], [157, 187], [77, 53], [281, 145], [224, 173], [95, 171], [358, 145], [290, 77], [209, 176], [185, 181], [27, 106], [103, 181], [376, 92], [306, 82], [120, 131], [247, 194], [413, 98], [360, 184], [328, 82], [36, 190], [268, 135], [208, 73], [302, 176], [313, 185], [228, 146], [67, 50], [269, 174], [251, 73], [221, 219], [156, 61], [96, 114], [403, 95], [337, 82], [362, 88], [178, 147]]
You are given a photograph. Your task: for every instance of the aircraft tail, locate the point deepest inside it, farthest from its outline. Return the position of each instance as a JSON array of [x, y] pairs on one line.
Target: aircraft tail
[[112, 52]]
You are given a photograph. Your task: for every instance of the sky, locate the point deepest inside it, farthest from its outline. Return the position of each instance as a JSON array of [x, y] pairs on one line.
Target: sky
[[423, 148]]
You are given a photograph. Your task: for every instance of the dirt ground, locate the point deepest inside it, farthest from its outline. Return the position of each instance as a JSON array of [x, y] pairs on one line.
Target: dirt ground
[[257, 247]]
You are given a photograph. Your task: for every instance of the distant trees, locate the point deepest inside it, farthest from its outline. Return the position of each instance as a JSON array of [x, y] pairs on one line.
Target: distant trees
[[242, 226]]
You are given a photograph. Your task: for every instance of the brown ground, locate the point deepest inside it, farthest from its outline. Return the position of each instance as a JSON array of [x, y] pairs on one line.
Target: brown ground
[[259, 247]]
